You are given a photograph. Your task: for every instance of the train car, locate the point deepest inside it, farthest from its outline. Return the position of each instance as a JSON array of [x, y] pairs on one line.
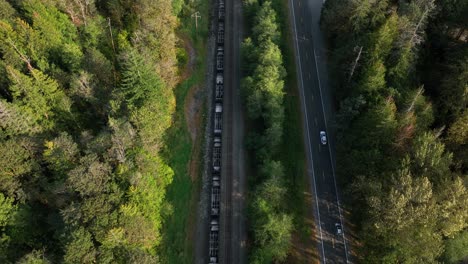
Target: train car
[[213, 245], [216, 176], [221, 11], [221, 33], [216, 182], [217, 156], [218, 119], [220, 59], [215, 193], [214, 227], [219, 89]]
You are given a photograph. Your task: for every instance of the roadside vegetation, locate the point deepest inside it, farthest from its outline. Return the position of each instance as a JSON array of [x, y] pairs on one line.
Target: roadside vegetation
[[292, 153], [277, 162], [86, 97], [401, 82]]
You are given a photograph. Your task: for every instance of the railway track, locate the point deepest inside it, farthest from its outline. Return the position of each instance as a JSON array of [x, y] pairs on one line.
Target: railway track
[[226, 257], [227, 201], [227, 223]]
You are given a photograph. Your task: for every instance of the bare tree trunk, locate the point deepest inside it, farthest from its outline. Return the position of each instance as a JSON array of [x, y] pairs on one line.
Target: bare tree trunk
[[415, 32], [415, 98], [355, 63], [83, 10], [110, 30], [22, 56], [439, 131]]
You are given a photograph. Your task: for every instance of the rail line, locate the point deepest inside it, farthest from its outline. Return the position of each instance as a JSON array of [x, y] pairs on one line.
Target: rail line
[[226, 228], [217, 144]]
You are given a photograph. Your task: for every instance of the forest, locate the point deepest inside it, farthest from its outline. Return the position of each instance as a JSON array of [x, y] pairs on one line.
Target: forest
[[86, 94], [401, 89]]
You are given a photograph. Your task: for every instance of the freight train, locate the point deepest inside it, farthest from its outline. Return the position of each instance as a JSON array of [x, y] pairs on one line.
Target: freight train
[[216, 165]]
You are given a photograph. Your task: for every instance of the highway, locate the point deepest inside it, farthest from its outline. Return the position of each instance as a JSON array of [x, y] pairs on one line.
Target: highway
[[316, 104]]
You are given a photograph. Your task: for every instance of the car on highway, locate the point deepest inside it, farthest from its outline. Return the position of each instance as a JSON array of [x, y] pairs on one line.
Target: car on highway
[[323, 137], [339, 230]]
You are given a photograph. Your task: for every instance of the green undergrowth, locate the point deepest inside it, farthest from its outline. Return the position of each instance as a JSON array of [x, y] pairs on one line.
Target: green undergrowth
[[183, 192]]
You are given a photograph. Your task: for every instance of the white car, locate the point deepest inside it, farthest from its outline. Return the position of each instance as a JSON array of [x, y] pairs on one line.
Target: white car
[[339, 230], [323, 137]]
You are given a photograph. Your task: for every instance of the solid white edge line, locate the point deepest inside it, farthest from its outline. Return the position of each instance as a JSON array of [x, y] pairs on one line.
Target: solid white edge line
[[331, 158], [308, 131]]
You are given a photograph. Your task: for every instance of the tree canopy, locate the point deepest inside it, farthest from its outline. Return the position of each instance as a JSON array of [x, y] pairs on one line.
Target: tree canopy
[[401, 87], [263, 90], [86, 95]]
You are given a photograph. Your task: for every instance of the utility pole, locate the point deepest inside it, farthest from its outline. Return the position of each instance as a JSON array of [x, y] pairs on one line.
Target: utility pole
[[197, 16]]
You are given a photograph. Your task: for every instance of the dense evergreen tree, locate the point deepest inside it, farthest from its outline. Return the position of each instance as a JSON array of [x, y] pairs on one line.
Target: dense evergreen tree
[[407, 188]]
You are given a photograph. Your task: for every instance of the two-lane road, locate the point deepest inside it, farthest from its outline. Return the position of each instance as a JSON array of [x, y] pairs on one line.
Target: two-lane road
[[316, 106]]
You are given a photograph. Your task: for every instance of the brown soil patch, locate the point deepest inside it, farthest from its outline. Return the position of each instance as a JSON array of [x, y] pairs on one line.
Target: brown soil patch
[[192, 107], [188, 47], [193, 116]]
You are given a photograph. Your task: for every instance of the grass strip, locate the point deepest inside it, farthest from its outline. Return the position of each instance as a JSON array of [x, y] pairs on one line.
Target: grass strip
[[183, 192]]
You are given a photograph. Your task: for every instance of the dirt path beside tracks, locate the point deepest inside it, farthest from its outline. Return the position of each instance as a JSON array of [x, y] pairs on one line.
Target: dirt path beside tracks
[[193, 116], [191, 53], [193, 108]]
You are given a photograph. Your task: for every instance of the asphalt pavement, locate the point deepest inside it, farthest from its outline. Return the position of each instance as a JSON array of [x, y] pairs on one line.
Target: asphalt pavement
[[316, 104]]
